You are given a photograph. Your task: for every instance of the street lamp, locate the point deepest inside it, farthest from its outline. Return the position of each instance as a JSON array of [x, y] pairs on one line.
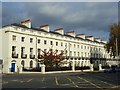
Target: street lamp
[[117, 51]]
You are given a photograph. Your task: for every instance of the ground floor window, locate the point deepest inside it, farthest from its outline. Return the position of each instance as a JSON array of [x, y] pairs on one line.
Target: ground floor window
[[23, 63], [31, 64]]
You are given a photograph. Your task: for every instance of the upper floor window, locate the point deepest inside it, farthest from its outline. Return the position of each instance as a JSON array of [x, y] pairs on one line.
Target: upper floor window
[[13, 48], [22, 39], [14, 38], [81, 46], [78, 46], [51, 42], [88, 47], [22, 49], [45, 42], [38, 51], [38, 40], [31, 50], [78, 54], [56, 43], [74, 53], [61, 43], [70, 53], [65, 44], [74, 45], [31, 40]]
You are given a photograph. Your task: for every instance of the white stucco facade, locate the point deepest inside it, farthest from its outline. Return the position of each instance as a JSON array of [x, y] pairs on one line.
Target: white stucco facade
[[80, 48]]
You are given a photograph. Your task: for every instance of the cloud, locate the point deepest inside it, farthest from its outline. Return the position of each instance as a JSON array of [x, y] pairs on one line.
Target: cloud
[[60, 1], [79, 16]]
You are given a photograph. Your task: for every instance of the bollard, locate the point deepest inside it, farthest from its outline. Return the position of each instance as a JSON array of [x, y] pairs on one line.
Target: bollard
[[43, 69], [91, 67], [73, 66], [100, 67]]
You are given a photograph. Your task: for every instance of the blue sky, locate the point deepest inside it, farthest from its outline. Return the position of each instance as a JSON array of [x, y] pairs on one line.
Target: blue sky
[[89, 18]]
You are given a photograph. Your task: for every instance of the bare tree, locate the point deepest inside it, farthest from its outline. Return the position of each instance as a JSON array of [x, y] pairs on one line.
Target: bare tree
[[114, 39]]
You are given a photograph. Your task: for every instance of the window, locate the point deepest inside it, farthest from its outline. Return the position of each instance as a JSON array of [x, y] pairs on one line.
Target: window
[[23, 63], [74, 53], [31, 64], [56, 43], [14, 38], [70, 53], [31, 40], [13, 48], [31, 50], [85, 54], [85, 47], [22, 49], [78, 54], [88, 47], [38, 40], [81, 46], [51, 42], [45, 42], [81, 54], [38, 50], [66, 52], [23, 39], [65, 44], [74, 45], [61, 43], [78, 46], [45, 50]]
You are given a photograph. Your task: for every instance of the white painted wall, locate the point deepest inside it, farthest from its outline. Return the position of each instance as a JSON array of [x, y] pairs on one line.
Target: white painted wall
[[7, 44], [0, 43]]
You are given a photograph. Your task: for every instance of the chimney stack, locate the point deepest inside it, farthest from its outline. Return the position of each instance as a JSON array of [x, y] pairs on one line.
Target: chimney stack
[[105, 42], [60, 31], [45, 27], [97, 39], [72, 33], [81, 36], [90, 38], [27, 23]]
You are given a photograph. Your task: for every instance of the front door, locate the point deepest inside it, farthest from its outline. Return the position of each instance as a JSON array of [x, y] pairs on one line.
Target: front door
[[13, 67], [38, 65]]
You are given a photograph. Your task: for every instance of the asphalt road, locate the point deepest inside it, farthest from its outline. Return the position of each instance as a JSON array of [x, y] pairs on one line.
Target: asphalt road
[[88, 81]]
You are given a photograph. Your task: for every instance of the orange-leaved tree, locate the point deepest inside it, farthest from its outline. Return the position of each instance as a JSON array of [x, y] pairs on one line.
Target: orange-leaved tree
[[52, 58]]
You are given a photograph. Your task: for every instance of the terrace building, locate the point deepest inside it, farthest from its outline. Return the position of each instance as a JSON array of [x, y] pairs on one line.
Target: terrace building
[[21, 44]]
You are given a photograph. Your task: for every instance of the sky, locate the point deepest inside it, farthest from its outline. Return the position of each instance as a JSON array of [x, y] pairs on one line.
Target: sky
[[89, 18]]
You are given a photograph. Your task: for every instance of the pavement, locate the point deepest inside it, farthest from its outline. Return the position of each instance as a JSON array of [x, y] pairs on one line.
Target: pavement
[[81, 80]]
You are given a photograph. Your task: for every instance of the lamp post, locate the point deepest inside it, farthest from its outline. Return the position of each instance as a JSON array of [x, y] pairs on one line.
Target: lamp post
[[117, 51]]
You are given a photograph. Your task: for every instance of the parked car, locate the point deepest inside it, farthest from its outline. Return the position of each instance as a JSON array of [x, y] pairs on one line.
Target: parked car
[[117, 69], [109, 70]]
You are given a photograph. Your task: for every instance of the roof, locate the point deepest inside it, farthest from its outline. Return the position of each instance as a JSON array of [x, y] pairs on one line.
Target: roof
[[52, 32], [58, 29], [26, 21], [70, 32], [44, 25], [80, 34]]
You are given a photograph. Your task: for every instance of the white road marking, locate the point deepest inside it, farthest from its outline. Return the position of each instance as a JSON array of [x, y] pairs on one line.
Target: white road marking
[[22, 81], [90, 82], [43, 79], [14, 80], [29, 80], [56, 80], [5, 82], [73, 82]]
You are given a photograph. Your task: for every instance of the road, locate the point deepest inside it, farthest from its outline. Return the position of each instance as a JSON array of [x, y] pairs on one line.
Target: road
[[83, 80]]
